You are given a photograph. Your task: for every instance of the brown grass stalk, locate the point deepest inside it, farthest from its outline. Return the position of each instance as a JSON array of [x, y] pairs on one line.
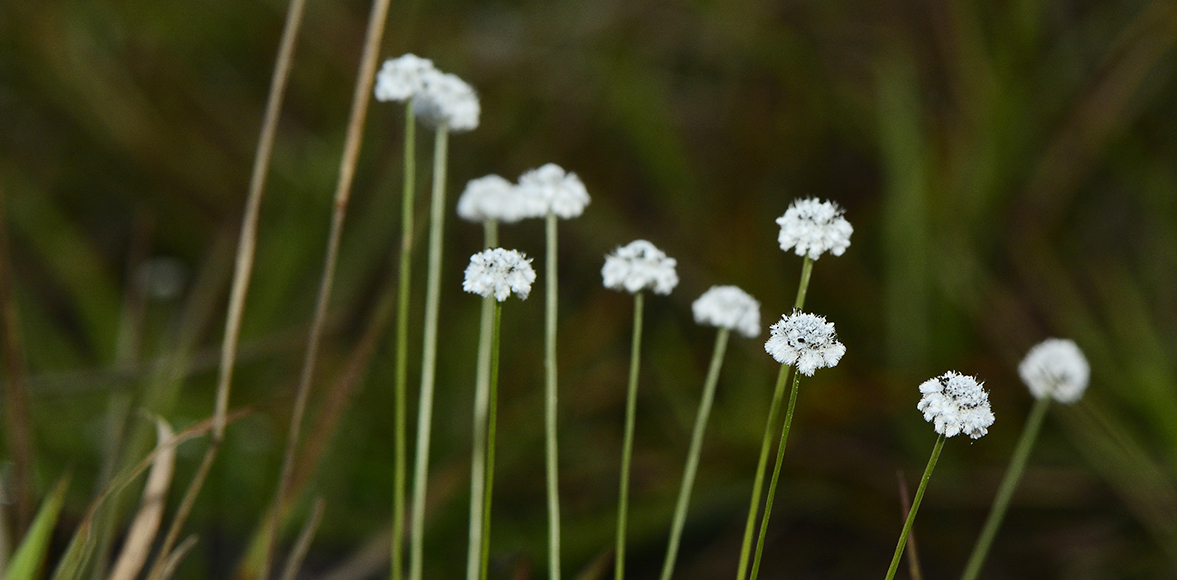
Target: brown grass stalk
[[299, 553], [16, 393]]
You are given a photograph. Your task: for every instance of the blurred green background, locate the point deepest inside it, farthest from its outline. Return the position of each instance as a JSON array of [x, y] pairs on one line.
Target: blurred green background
[[1010, 169]]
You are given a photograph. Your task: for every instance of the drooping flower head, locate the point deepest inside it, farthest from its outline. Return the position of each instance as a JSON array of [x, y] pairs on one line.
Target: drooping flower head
[[445, 99], [805, 341], [401, 78], [640, 266], [558, 192], [728, 307], [1056, 368], [811, 228], [499, 272], [495, 198], [954, 404]]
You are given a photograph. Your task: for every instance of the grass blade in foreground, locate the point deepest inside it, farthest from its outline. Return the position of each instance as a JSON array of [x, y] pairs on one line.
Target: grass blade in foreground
[[29, 557]]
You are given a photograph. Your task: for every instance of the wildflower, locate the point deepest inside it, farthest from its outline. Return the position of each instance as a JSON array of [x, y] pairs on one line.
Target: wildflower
[[494, 198], [728, 307], [806, 341], [955, 404], [445, 99], [555, 190], [1056, 368], [811, 228], [499, 272], [402, 78], [638, 266]]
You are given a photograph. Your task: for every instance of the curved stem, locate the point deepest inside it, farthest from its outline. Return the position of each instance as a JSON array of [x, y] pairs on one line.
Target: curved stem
[[481, 404], [1009, 484], [631, 403], [688, 479], [776, 474], [915, 506], [400, 463], [553, 482], [491, 422]]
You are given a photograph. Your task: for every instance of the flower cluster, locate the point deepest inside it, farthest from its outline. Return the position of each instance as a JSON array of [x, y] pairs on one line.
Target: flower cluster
[[555, 191], [811, 228], [639, 266], [401, 78], [954, 404], [439, 99], [495, 198], [1055, 368], [499, 272], [805, 341], [728, 307]]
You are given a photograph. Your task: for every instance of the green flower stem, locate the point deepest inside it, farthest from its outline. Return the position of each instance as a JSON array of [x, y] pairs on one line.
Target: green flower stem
[[553, 482], [1009, 484], [776, 474], [491, 421], [429, 355], [481, 403], [631, 403], [402, 343], [769, 428], [915, 506], [688, 479]]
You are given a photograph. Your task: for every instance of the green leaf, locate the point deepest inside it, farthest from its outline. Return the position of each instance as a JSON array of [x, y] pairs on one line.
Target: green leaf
[[30, 556]]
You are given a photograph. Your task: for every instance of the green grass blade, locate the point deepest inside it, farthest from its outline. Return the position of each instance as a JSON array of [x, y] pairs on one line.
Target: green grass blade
[[30, 556]]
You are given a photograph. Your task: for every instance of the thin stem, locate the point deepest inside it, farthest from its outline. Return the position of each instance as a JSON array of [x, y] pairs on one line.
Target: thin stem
[[1009, 484], [913, 556], [776, 474], [915, 506], [481, 405], [16, 395], [159, 567], [688, 479], [553, 482], [429, 354], [400, 464], [631, 403], [491, 421], [803, 286]]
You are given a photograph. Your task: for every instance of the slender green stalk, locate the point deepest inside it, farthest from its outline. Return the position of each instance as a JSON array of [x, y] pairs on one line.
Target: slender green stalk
[[688, 479], [491, 421], [408, 204], [631, 404], [429, 355], [776, 474], [481, 404], [551, 455], [915, 506], [774, 410], [1009, 484]]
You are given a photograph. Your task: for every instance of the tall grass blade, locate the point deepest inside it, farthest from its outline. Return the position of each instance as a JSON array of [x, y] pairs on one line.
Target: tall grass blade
[[144, 527], [26, 563]]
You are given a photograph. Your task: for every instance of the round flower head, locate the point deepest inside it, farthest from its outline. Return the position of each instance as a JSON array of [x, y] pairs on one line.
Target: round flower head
[[639, 266], [805, 341], [1055, 368], [728, 307], [556, 191], [811, 227], [955, 403], [494, 198], [446, 100], [499, 272], [403, 77]]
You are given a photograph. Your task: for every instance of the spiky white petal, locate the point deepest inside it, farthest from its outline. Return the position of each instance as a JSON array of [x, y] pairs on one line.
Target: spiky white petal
[[556, 191], [805, 341], [639, 266], [728, 307], [811, 228], [399, 79], [445, 99], [494, 198], [956, 403], [499, 272], [1056, 368]]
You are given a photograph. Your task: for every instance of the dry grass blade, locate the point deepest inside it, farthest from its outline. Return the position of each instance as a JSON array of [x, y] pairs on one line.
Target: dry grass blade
[[299, 553], [146, 523], [913, 557], [169, 567]]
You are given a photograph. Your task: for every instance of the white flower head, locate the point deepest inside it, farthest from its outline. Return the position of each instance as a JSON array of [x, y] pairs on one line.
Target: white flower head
[[728, 307], [1056, 368], [445, 99], [954, 404], [556, 191], [499, 272], [494, 198], [638, 266], [805, 341], [811, 228], [402, 78]]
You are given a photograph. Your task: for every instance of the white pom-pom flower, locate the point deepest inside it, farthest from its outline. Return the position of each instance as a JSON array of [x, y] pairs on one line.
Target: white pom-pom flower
[[495, 198], [498, 272], [811, 228], [728, 307], [954, 404], [1056, 368], [445, 99], [401, 78], [639, 266], [805, 341], [556, 191]]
